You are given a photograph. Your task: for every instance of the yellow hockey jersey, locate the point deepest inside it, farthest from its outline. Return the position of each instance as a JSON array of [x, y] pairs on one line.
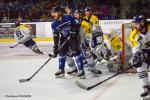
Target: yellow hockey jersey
[[87, 29], [24, 26], [137, 39], [116, 43], [94, 22]]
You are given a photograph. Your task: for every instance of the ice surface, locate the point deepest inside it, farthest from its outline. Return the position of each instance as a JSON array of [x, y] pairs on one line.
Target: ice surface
[[20, 62]]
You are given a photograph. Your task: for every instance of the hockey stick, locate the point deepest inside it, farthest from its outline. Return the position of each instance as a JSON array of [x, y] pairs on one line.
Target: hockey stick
[[28, 79], [51, 56], [14, 45], [93, 86]]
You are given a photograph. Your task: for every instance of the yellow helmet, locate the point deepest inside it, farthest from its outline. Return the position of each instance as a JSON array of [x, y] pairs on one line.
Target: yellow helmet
[[116, 43]]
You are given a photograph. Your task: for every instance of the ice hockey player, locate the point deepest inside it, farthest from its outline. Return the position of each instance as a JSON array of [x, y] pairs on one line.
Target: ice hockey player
[[64, 29], [114, 43], [85, 31], [139, 39], [68, 10], [23, 34], [97, 34]]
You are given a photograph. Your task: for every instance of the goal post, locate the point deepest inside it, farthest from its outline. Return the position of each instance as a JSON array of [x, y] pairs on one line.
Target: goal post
[[123, 45]]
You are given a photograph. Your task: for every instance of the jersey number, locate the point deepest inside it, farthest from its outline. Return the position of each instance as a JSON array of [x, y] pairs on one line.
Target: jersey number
[[65, 31], [19, 35]]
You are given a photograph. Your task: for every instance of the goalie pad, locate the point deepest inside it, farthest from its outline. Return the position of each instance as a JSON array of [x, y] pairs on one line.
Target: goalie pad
[[114, 67], [146, 55], [86, 49], [103, 52]]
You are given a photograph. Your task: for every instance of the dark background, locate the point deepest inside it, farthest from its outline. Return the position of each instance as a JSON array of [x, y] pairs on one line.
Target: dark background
[[39, 10]]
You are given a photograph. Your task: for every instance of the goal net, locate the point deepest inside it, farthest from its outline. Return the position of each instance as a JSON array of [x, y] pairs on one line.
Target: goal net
[[123, 29]]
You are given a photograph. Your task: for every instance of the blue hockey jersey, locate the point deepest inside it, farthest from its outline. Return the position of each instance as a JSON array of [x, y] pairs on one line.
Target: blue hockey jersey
[[64, 27]]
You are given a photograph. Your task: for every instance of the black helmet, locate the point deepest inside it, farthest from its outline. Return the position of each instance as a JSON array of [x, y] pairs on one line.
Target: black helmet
[[57, 9], [78, 11], [88, 9], [138, 19]]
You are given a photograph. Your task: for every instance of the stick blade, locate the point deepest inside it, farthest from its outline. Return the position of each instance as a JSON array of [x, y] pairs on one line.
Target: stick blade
[[23, 80], [79, 84], [10, 47]]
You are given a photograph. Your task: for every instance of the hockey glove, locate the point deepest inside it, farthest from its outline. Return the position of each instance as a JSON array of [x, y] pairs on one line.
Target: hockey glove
[[55, 51]]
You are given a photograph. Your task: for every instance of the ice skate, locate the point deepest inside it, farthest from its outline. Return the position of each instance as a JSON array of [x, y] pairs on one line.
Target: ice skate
[[72, 71], [60, 73], [37, 51], [146, 94], [81, 75]]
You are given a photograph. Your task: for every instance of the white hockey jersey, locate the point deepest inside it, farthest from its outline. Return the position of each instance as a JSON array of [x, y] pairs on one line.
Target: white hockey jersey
[[138, 39], [22, 33]]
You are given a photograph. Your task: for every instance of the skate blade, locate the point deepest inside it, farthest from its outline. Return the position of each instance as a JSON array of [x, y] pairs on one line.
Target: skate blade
[[82, 77], [73, 74], [60, 76], [40, 53], [146, 98]]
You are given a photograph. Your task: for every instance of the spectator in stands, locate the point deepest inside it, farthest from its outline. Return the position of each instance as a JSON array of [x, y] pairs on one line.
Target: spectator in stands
[[27, 19], [5, 18], [31, 15], [44, 17], [20, 19], [105, 9], [146, 8]]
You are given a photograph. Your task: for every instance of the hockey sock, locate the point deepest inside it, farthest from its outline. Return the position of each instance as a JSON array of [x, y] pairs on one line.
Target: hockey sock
[[62, 60], [84, 60], [79, 61], [90, 62], [35, 48], [143, 75]]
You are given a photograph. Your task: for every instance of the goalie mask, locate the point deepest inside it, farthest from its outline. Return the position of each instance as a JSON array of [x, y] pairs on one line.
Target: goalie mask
[[116, 43]]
